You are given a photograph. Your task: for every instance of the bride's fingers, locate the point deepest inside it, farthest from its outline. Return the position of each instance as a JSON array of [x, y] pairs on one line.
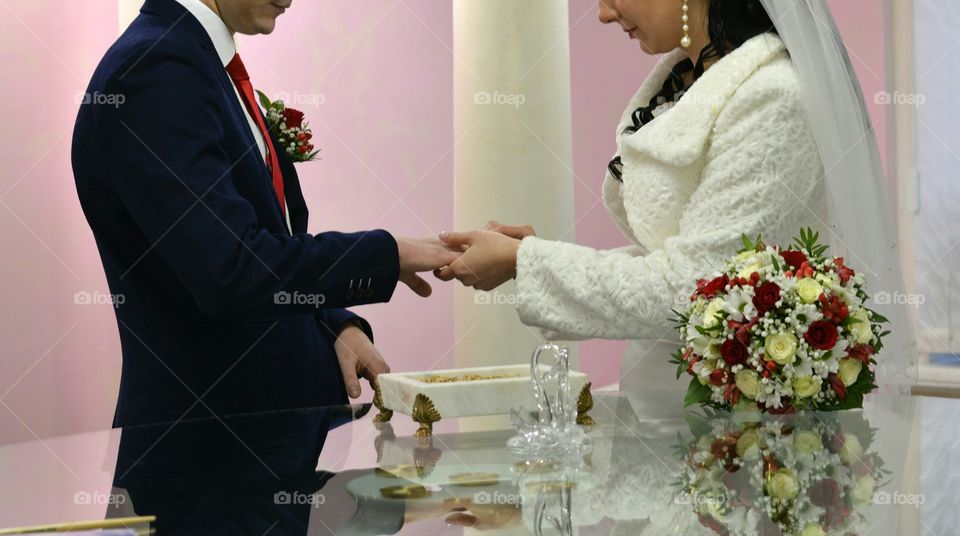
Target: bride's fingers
[[513, 231], [444, 274]]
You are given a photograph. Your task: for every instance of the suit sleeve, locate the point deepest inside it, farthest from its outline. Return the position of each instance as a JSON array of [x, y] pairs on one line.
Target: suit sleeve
[[332, 322], [173, 177]]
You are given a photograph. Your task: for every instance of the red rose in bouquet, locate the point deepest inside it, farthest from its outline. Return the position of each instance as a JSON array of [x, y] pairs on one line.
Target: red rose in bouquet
[[794, 258], [766, 297], [293, 118], [822, 335], [734, 352]]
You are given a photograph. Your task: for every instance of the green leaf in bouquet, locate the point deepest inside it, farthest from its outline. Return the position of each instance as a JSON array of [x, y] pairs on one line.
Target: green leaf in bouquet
[[680, 318], [809, 241], [699, 425], [264, 100], [856, 391], [697, 393], [877, 317], [849, 321], [747, 244], [677, 359]]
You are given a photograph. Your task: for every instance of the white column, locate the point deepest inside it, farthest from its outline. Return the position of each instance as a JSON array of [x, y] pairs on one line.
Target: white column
[[513, 163], [127, 11]]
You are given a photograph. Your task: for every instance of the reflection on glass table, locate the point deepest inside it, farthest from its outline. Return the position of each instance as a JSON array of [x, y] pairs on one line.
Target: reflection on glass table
[[653, 469]]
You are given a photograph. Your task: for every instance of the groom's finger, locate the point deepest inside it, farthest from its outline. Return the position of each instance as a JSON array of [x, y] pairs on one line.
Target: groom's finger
[[350, 380], [417, 284]]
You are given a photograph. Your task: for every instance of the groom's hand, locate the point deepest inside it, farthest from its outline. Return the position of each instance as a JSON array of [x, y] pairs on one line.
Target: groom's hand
[[489, 261], [422, 255], [358, 358]]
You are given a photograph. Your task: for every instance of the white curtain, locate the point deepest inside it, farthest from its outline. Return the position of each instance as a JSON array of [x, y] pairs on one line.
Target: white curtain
[[938, 162]]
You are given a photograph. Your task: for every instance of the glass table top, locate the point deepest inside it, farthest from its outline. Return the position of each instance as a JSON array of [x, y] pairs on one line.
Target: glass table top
[[653, 469]]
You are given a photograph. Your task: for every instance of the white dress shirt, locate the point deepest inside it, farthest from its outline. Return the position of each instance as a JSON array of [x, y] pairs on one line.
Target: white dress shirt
[[226, 48]]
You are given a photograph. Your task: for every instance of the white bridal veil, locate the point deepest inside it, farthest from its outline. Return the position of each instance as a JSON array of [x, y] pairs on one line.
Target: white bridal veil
[[860, 218]]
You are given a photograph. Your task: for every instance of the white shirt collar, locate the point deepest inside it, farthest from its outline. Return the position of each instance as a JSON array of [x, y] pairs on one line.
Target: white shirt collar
[[219, 33]]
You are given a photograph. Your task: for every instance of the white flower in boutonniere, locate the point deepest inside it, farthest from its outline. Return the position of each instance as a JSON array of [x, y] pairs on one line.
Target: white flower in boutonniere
[[292, 132]]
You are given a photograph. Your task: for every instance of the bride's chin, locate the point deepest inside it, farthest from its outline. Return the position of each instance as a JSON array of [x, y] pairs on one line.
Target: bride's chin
[[646, 49]]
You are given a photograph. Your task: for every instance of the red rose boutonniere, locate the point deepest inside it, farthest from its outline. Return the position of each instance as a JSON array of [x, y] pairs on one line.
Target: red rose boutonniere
[[292, 132]]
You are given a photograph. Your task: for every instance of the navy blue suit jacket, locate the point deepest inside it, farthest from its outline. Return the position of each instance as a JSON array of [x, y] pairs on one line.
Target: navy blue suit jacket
[[223, 310]]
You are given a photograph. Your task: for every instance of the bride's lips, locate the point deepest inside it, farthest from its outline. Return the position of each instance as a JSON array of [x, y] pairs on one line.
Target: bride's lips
[[631, 33]]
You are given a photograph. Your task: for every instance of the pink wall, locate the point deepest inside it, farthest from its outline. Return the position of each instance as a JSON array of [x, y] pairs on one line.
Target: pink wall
[[375, 78]]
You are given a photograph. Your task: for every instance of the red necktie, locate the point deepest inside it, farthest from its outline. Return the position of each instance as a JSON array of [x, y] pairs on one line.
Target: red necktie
[[238, 73]]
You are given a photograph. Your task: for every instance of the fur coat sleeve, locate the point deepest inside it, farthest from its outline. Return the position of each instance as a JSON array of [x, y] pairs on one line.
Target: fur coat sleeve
[[735, 155]]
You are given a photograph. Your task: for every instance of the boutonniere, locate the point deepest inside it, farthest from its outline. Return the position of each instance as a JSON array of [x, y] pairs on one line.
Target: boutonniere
[[292, 132]]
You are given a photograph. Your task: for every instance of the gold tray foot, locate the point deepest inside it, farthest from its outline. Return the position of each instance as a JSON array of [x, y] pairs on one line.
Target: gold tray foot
[[385, 414], [424, 413]]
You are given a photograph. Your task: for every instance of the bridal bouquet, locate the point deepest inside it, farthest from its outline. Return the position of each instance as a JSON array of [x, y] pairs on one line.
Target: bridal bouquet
[[809, 476], [783, 328]]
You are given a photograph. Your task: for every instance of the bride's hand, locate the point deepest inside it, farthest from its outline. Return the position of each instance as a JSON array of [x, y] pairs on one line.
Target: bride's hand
[[514, 231], [489, 259]]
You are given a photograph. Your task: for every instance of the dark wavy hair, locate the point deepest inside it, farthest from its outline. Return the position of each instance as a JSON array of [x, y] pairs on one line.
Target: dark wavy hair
[[730, 23]]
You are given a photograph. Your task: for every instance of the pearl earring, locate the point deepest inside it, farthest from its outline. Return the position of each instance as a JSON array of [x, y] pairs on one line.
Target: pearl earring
[[685, 41]]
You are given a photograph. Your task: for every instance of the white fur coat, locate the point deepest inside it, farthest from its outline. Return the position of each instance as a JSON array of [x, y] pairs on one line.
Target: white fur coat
[[735, 155]]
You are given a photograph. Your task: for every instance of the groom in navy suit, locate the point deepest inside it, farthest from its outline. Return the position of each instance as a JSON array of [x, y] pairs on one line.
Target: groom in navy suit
[[229, 305]]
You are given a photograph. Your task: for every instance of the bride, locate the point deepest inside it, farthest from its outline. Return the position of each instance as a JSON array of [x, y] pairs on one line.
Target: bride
[[754, 124]]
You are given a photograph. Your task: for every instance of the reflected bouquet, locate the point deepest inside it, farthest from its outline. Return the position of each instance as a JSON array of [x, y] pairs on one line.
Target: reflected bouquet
[[807, 475], [783, 328]]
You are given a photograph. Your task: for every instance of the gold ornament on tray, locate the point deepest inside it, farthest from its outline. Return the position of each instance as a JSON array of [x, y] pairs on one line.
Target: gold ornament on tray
[[385, 414], [585, 404], [425, 414]]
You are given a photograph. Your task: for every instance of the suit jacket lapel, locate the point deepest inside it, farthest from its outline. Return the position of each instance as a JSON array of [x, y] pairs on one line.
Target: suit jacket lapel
[[296, 205]]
